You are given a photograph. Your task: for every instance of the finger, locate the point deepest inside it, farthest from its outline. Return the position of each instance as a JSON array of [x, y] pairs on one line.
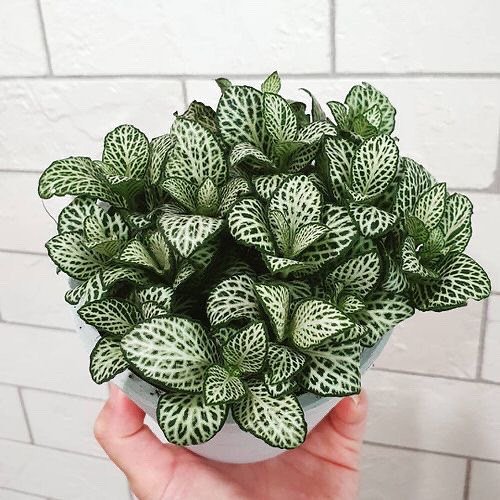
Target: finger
[[348, 417], [131, 445]]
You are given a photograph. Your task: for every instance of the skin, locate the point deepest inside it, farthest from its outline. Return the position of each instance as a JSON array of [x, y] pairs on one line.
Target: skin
[[325, 466]]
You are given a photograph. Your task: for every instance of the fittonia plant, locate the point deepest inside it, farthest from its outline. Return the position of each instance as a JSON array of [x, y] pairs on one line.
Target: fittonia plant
[[252, 253]]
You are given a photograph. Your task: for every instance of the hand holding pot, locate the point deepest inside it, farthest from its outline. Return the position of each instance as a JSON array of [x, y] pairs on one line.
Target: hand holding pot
[[325, 466]]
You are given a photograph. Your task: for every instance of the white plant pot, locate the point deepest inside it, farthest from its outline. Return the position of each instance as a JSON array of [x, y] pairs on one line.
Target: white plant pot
[[230, 444]]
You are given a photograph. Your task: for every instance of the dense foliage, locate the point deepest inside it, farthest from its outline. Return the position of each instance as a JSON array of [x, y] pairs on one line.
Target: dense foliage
[[249, 255]]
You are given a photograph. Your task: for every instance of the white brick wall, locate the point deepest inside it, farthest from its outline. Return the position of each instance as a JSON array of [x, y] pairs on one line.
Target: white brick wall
[[70, 71]]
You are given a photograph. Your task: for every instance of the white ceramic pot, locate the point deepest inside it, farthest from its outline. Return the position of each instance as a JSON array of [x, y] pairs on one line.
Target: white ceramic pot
[[230, 444]]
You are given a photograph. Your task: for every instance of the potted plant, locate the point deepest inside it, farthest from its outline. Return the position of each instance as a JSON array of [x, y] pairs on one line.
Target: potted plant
[[241, 271]]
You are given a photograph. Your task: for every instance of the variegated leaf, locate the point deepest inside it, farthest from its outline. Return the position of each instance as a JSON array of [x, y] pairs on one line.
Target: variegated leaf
[[202, 114], [240, 115], [411, 264], [159, 149], [246, 350], [182, 191], [314, 321], [382, 312], [306, 236], [317, 112], [372, 221], [281, 231], [272, 83], [266, 185], [221, 386], [283, 363], [186, 419], [275, 300], [70, 254], [429, 208], [126, 149], [88, 291], [223, 83], [278, 421], [460, 278], [280, 121], [157, 293], [127, 187], [416, 229], [107, 360], [232, 299], [207, 198], [137, 254], [72, 216], [248, 224], [111, 316], [456, 223], [196, 154], [286, 266], [244, 152], [187, 233], [171, 351], [105, 233], [373, 167], [350, 304], [340, 113], [153, 310], [339, 153], [231, 193], [395, 279], [118, 273], [159, 249], [332, 369], [282, 388], [358, 275]]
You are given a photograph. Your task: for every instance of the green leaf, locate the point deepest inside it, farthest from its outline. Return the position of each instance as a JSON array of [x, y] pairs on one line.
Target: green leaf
[[246, 350], [72, 216], [223, 84], [460, 278], [171, 351], [127, 187], [383, 311], [157, 293], [429, 207], [456, 223], [333, 369], [372, 221], [315, 321], [416, 228], [248, 224], [244, 152], [299, 109], [339, 153], [186, 420], [362, 127], [362, 98], [275, 300], [415, 181], [126, 149], [70, 254], [222, 387], [106, 360], [202, 114], [182, 191], [358, 275], [207, 198], [272, 83], [232, 299], [339, 238], [278, 421], [111, 316], [241, 116], [187, 233], [373, 167], [159, 150], [75, 176], [299, 200], [317, 113], [266, 185], [283, 363], [280, 121], [231, 193], [196, 154]]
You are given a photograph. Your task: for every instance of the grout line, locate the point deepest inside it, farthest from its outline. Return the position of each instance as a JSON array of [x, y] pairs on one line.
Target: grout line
[[44, 37], [18, 171], [333, 33], [482, 335], [25, 413], [55, 448], [34, 325], [432, 452], [22, 252], [435, 375], [184, 92], [255, 76], [14, 490], [468, 469], [52, 391]]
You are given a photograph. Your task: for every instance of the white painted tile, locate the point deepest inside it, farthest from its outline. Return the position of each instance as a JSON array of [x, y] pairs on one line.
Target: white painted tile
[[484, 481], [45, 120], [181, 37], [438, 124], [25, 224], [434, 414], [12, 422], [62, 421], [21, 39], [452, 338], [16, 495], [485, 242], [491, 354], [45, 359], [31, 292], [392, 474], [59, 474], [387, 36]]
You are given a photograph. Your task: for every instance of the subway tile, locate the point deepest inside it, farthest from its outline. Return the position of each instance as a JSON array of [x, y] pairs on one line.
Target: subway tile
[[6, 494], [491, 353], [12, 421], [484, 481]]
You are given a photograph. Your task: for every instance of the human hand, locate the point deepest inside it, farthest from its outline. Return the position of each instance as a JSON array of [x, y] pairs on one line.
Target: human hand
[[325, 466]]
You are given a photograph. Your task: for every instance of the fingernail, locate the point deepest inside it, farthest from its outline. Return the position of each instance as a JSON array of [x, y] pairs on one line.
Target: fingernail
[[355, 399]]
